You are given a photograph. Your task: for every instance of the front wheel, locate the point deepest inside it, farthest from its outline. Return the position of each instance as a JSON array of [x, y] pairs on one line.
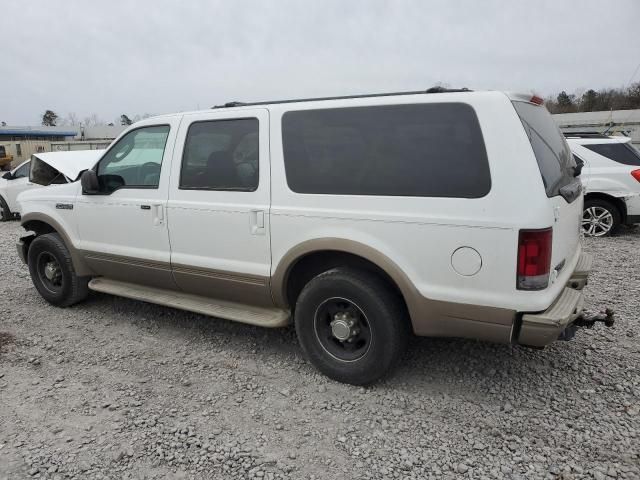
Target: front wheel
[[52, 271], [5, 212], [600, 218], [351, 325]]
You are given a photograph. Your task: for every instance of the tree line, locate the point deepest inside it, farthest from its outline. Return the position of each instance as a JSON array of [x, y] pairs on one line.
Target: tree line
[[52, 119], [591, 100]]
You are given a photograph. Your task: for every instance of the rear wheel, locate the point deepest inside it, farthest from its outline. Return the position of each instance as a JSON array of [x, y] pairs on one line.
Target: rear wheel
[[52, 271], [351, 325], [600, 218]]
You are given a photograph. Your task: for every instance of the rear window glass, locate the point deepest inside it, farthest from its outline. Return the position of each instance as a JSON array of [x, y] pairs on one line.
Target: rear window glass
[[551, 150], [44, 174], [427, 150], [618, 152]]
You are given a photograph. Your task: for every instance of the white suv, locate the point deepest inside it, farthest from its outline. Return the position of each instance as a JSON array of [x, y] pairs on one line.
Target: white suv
[[362, 219], [611, 179]]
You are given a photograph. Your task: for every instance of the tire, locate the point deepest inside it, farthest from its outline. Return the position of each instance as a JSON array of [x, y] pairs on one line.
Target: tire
[[365, 310], [600, 218], [5, 213], [52, 271]]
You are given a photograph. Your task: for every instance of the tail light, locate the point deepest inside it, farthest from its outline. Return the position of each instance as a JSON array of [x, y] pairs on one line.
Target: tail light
[[534, 259], [636, 174]]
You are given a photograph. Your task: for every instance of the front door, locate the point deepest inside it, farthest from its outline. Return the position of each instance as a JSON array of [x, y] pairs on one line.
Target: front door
[[218, 210], [123, 230]]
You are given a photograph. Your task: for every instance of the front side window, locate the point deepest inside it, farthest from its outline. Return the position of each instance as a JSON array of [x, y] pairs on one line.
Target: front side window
[[23, 171], [135, 161], [618, 152], [221, 155], [423, 150]]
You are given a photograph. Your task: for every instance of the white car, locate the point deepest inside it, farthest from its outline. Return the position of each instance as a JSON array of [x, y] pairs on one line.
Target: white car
[[42, 169], [361, 219], [611, 179]]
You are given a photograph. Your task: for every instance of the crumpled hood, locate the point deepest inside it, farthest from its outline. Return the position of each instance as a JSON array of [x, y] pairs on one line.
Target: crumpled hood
[[71, 163]]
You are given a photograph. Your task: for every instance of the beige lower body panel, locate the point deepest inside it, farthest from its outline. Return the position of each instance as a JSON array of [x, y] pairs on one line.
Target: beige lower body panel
[[445, 319], [131, 270], [232, 287], [260, 316], [540, 329]]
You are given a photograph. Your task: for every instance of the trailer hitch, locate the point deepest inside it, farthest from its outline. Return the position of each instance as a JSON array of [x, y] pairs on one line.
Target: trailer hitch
[[587, 320]]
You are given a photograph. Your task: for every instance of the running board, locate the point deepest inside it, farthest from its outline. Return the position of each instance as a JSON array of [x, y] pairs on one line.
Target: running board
[[262, 317]]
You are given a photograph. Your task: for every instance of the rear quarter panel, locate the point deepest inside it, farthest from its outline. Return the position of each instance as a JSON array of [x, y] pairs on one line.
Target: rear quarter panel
[[420, 234]]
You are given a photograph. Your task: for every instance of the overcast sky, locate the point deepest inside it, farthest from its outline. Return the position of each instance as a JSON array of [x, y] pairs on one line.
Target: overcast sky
[[113, 57]]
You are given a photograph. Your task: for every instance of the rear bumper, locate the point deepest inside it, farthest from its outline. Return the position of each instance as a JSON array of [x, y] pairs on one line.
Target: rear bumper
[[540, 329], [633, 208]]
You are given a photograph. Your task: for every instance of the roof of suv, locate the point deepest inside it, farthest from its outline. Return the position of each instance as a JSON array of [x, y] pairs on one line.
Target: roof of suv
[[514, 96]]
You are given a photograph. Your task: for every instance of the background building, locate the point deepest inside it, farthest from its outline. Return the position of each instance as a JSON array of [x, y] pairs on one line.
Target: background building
[[22, 141], [625, 122]]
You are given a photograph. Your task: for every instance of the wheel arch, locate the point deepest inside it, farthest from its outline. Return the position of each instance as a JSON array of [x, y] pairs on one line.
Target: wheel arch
[[616, 201], [42, 224], [313, 257]]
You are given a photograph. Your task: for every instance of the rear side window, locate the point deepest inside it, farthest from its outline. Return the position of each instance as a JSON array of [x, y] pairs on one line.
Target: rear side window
[[551, 150], [618, 152], [426, 150]]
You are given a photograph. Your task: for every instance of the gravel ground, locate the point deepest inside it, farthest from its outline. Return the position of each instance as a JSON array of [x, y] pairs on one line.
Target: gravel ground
[[114, 388]]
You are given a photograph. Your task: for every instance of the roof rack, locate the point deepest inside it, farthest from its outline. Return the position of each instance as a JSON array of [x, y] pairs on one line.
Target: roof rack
[[585, 134], [345, 97]]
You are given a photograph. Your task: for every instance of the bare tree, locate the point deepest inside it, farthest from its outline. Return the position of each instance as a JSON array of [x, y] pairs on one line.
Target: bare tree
[[93, 120]]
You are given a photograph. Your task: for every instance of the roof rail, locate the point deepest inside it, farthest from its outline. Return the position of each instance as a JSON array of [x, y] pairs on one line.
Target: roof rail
[[345, 97]]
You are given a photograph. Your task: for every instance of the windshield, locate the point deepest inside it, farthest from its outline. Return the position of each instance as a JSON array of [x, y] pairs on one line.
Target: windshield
[[44, 174]]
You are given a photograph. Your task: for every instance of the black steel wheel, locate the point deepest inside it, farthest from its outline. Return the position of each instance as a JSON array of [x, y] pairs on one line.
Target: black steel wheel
[[49, 272], [351, 325], [342, 328], [52, 272]]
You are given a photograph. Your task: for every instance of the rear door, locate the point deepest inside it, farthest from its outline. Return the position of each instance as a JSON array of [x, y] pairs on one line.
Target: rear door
[[218, 209], [557, 168]]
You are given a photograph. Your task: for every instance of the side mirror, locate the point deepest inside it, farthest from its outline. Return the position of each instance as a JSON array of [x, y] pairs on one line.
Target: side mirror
[[7, 176], [89, 182]]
